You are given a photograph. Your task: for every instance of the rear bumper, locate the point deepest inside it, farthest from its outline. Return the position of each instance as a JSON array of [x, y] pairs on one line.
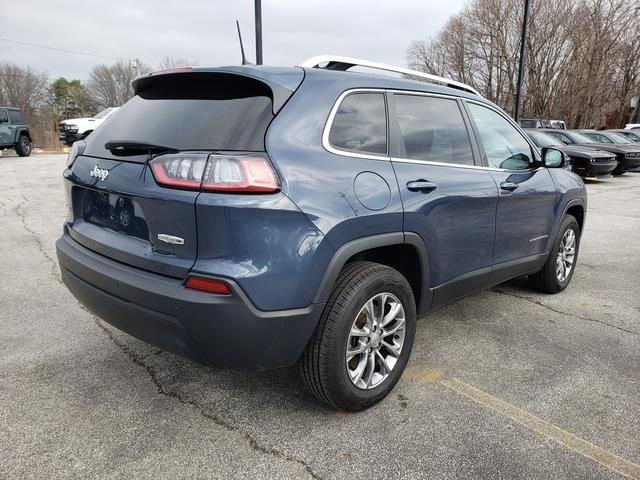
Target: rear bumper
[[221, 330]]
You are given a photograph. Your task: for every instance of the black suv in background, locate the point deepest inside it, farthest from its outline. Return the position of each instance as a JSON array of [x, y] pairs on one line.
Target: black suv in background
[[585, 161], [14, 132], [628, 155]]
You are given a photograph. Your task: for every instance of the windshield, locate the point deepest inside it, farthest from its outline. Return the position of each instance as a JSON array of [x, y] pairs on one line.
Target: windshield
[[617, 138], [104, 113], [545, 140], [579, 138]]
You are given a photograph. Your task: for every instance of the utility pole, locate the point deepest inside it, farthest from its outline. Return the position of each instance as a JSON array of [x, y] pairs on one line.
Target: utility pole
[[523, 48], [258, 7]]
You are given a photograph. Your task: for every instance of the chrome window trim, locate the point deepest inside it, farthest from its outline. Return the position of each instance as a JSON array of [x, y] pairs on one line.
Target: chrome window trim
[[327, 127], [329, 123]]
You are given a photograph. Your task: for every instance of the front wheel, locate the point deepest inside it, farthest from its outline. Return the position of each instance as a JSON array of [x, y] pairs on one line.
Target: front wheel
[[561, 263], [363, 340], [23, 147]]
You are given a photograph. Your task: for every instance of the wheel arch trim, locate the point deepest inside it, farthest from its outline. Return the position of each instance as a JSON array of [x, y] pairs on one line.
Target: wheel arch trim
[[349, 249]]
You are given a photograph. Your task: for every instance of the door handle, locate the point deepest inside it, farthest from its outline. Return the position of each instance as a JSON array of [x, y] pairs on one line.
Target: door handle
[[510, 186], [422, 186]]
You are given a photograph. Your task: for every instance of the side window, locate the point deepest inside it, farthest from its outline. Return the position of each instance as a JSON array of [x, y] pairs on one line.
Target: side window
[[562, 137], [360, 124], [15, 116], [3, 116], [432, 129], [600, 138], [504, 146]]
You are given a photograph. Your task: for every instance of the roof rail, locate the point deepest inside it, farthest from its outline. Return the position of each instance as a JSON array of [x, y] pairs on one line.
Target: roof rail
[[335, 62]]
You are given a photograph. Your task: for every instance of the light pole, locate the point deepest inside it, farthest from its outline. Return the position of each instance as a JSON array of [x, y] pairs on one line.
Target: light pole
[[258, 9], [523, 48]]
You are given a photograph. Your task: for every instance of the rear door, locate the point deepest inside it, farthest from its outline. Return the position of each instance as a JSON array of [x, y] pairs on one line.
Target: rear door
[[118, 208], [526, 207], [448, 200]]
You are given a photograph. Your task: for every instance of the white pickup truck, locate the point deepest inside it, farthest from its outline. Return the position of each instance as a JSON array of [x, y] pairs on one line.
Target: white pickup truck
[[75, 129]]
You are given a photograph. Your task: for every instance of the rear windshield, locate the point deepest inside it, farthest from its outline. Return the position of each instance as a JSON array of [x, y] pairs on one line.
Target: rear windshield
[[196, 113]]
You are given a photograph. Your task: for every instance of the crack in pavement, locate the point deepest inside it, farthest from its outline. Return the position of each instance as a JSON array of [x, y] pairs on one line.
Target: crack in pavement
[[162, 390], [137, 360], [537, 302], [20, 213]]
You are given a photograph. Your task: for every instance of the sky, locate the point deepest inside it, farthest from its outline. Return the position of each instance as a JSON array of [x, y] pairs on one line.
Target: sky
[[204, 31]]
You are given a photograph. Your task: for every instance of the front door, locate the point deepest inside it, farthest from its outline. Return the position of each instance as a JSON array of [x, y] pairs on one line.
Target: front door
[[526, 207], [448, 200]]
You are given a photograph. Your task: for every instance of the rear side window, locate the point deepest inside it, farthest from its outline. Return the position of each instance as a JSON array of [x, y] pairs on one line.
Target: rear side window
[[433, 129], [15, 116], [360, 124], [197, 111]]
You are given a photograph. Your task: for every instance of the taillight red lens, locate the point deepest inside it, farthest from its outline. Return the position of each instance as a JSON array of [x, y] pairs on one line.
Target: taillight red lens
[[209, 285], [242, 173], [179, 170], [233, 173]]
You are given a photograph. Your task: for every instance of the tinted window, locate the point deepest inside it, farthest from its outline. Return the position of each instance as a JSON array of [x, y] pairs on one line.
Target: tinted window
[[598, 138], [433, 129], [360, 124], [15, 116], [504, 146], [561, 136], [3, 116], [191, 112]]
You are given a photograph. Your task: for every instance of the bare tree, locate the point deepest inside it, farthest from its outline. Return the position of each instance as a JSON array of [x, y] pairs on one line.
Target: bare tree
[[23, 87], [110, 86], [582, 56], [174, 62]]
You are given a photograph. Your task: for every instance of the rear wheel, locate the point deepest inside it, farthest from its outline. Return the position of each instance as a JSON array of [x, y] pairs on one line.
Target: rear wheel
[[559, 267], [364, 338], [23, 147]]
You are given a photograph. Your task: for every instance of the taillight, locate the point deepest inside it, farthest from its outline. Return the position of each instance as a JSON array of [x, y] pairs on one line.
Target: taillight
[[179, 170], [242, 173], [209, 285], [231, 173]]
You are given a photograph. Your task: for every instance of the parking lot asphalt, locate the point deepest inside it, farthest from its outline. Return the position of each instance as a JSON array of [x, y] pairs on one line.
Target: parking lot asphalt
[[507, 383]]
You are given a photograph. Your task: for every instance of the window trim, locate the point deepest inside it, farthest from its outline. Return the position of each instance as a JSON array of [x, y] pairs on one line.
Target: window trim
[[476, 149], [396, 133], [329, 123]]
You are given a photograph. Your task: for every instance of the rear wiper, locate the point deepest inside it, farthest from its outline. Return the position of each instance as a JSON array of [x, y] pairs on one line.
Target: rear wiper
[[130, 147]]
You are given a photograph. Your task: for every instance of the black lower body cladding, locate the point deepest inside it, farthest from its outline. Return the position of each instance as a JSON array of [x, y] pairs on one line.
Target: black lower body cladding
[[220, 330]]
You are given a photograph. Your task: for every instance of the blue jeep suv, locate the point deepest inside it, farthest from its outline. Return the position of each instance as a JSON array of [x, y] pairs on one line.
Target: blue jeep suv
[[257, 217]]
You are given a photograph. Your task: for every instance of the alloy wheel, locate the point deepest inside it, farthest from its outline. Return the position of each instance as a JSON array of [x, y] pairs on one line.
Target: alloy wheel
[[566, 255], [375, 341]]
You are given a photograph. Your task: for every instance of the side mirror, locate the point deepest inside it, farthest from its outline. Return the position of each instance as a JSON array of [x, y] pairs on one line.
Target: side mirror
[[553, 158]]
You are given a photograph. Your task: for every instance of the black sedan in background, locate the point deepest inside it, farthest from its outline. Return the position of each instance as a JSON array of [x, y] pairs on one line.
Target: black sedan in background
[[607, 136], [585, 161], [627, 155], [632, 135]]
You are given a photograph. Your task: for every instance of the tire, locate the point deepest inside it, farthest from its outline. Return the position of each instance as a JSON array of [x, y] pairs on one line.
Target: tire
[[23, 147], [550, 279], [324, 364]]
